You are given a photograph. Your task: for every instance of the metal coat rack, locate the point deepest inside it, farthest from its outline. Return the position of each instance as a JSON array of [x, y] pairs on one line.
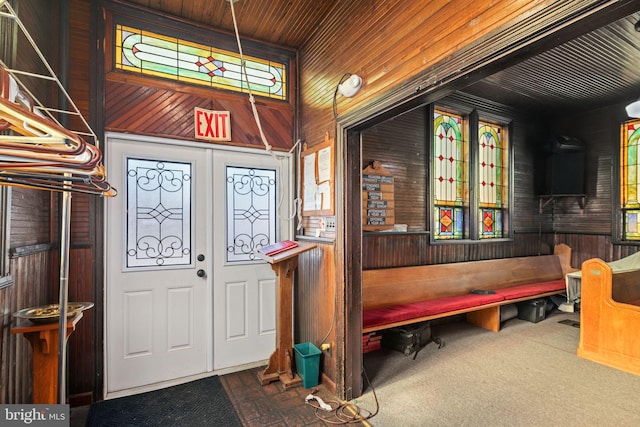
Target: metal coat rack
[[37, 151]]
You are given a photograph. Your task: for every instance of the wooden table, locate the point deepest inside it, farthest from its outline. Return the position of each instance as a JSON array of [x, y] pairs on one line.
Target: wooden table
[[280, 362], [45, 342]]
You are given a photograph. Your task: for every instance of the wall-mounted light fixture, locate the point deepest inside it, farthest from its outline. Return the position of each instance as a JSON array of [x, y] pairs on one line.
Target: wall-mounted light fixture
[[633, 109], [348, 86], [351, 86]]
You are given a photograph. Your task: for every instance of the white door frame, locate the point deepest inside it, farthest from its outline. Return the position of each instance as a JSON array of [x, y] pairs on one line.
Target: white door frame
[[283, 233]]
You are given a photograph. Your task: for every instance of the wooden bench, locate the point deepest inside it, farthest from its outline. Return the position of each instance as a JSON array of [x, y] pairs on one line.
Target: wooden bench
[[403, 295], [610, 316]]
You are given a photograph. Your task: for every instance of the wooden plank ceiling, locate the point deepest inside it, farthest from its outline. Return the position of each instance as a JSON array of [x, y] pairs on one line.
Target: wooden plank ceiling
[[282, 22], [598, 68]]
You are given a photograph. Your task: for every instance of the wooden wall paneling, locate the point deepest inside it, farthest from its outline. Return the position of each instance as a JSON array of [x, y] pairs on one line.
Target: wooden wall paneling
[[40, 21], [80, 218], [31, 288], [30, 217], [158, 107], [391, 249], [168, 112], [435, 31], [30, 212], [314, 304], [400, 145], [587, 246], [380, 250], [599, 130], [82, 351], [79, 58]]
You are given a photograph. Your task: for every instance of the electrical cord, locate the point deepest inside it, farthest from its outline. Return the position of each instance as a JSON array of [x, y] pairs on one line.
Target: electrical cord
[[346, 412], [335, 94]]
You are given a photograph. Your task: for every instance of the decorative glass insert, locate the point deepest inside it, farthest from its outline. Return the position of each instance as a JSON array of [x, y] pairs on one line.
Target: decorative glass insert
[[629, 179], [490, 223], [492, 179], [251, 211], [158, 213], [172, 58], [449, 223], [450, 176]]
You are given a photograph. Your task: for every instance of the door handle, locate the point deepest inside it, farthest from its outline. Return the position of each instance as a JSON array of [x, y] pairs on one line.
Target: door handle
[[201, 273]]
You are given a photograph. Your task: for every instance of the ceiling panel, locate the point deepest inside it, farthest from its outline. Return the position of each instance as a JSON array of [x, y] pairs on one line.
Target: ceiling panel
[[599, 68], [288, 23]]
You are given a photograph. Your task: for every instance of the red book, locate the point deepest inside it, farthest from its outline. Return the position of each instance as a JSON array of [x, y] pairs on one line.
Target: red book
[[276, 248]]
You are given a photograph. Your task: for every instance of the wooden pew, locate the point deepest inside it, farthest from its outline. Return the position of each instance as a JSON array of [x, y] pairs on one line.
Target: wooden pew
[[610, 316], [422, 288]]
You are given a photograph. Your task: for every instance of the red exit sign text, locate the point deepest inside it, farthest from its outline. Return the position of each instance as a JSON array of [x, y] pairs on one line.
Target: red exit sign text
[[212, 125]]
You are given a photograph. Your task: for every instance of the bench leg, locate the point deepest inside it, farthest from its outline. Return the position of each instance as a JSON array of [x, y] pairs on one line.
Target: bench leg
[[488, 318]]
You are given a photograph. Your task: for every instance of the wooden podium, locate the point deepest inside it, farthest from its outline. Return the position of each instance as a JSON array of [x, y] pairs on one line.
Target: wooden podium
[[45, 342], [280, 362]]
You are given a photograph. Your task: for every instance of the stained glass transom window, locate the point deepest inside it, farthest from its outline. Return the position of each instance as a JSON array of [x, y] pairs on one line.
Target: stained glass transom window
[[492, 182], [630, 179], [251, 211], [177, 59], [158, 213], [450, 176]]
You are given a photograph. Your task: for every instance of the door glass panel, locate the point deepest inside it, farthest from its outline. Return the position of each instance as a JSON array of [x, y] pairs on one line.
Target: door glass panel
[[251, 211], [158, 214]]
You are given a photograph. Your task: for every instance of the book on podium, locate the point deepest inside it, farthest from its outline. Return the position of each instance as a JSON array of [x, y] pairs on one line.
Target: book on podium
[[278, 247]]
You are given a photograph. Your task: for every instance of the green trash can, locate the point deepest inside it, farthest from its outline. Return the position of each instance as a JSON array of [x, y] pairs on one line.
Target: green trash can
[[308, 363]]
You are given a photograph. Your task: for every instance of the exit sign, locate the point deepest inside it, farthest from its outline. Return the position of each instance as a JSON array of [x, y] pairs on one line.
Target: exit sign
[[212, 125]]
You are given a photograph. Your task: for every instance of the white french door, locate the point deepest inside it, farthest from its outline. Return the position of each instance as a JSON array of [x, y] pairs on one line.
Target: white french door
[[249, 216], [184, 293], [157, 305]]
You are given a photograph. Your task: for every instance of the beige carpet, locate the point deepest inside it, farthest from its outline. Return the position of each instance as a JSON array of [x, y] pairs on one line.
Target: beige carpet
[[528, 374]]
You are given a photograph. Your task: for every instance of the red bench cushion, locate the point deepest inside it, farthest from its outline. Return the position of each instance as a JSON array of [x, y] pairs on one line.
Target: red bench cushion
[[531, 289], [398, 313]]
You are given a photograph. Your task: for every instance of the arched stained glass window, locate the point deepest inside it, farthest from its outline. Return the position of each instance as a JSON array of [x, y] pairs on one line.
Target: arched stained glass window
[[177, 59], [630, 179], [450, 184], [492, 179], [470, 176]]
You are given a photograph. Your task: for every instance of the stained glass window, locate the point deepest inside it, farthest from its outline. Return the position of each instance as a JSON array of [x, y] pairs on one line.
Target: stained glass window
[[450, 176], [172, 58], [456, 215], [630, 180], [492, 182]]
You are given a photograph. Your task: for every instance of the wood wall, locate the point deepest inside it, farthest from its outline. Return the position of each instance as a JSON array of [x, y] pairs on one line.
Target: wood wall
[[31, 212], [31, 288], [315, 303], [401, 145], [35, 224], [159, 107], [392, 44]]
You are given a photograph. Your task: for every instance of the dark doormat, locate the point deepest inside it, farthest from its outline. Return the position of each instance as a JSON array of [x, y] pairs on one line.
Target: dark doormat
[[198, 403], [570, 322]]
